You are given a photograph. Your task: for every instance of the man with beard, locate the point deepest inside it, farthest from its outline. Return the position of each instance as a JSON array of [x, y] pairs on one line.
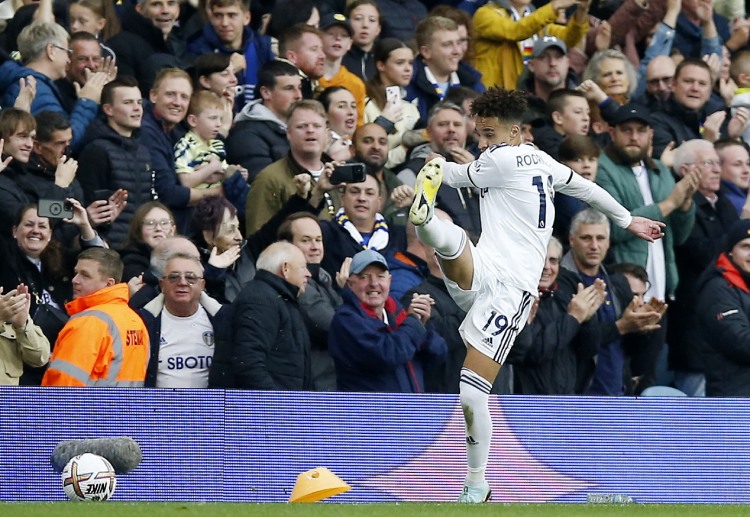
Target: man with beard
[[371, 148], [302, 46], [647, 188]]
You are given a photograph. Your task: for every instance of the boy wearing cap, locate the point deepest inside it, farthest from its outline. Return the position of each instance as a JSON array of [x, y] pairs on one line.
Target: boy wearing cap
[[376, 344], [496, 281], [337, 40], [723, 310], [228, 32]]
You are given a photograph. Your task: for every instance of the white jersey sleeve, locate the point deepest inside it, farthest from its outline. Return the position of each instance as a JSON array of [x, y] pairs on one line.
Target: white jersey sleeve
[[490, 170], [579, 187], [456, 175]]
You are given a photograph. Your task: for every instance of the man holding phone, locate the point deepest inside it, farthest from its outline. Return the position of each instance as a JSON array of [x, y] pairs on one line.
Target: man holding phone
[[274, 185], [49, 176]]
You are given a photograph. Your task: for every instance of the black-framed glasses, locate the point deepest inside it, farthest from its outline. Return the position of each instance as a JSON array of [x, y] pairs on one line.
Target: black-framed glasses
[[66, 49], [190, 278]]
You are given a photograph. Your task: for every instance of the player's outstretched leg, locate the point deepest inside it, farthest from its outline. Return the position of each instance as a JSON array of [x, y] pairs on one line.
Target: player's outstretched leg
[[426, 188], [446, 238]]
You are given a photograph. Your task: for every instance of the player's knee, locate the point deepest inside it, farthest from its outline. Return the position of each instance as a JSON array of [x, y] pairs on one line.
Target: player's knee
[[473, 391]]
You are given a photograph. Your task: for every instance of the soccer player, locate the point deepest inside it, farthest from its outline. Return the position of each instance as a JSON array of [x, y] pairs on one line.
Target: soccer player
[[496, 280]]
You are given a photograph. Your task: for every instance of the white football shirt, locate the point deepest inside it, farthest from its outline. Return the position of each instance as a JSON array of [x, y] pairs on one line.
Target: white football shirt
[[186, 350], [517, 187]]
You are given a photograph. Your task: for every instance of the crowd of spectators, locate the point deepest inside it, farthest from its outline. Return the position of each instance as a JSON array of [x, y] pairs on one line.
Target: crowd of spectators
[[176, 157]]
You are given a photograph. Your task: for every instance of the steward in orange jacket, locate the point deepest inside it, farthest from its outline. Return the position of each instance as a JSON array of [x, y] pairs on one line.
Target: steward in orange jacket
[[105, 343]]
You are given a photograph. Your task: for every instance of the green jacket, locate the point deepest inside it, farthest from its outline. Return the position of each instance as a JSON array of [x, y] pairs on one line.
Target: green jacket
[[618, 179], [273, 186]]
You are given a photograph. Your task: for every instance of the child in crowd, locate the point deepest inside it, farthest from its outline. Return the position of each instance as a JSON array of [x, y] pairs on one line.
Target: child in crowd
[[581, 154], [739, 70], [569, 114], [200, 158]]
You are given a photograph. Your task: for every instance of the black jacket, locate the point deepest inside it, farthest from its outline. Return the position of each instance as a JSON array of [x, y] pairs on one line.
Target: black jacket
[[142, 51], [111, 161], [547, 139], [136, 258], [339, 245], [256, 140], [264, 345], [723, 309], [697, 253], [446, 317], [360, 63], [675, 123], [18, 187], [547, 353], [399, 18]]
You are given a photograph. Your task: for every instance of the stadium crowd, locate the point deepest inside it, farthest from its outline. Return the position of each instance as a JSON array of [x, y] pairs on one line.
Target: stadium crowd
[[171, 214]]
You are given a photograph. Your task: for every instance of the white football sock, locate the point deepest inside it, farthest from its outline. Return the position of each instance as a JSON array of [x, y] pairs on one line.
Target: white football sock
[[447, 238], [474, 395]]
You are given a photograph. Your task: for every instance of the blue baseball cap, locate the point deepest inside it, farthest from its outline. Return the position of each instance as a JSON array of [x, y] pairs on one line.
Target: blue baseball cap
[[364, 258]]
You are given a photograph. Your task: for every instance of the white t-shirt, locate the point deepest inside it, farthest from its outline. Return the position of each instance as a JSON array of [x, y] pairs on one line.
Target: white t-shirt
[[185, 350], [656, 263], [517, 187]]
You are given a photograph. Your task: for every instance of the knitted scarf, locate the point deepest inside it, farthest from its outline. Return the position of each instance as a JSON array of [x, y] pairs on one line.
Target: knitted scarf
[[379, 238]]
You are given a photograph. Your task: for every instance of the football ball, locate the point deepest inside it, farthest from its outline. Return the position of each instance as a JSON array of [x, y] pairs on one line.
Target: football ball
[[89, 477]]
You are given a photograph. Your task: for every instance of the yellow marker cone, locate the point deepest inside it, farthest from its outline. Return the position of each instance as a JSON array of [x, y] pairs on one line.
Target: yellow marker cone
[[317, 484]]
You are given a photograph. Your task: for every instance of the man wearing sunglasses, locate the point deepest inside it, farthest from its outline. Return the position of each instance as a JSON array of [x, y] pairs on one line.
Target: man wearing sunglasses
[[180, 324]]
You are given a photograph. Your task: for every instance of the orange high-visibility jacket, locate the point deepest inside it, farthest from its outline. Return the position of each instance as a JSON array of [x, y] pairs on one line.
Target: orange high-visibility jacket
[[105, 343]]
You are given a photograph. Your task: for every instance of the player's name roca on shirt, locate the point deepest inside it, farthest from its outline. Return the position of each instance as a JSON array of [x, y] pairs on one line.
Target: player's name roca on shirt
[[517, 187]]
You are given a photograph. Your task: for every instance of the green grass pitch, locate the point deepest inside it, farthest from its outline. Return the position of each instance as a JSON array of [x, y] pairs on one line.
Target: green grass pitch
[[115, 509]]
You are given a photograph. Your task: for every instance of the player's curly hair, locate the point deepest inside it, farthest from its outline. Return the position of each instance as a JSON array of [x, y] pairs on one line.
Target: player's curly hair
[[506, 105]]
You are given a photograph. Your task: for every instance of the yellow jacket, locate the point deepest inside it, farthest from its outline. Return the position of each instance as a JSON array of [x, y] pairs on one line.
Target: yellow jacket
[[498, 56], [105, 343]]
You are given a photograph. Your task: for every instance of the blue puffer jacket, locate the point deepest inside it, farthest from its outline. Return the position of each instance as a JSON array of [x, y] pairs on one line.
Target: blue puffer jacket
[[373, 356], [48, 98]]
